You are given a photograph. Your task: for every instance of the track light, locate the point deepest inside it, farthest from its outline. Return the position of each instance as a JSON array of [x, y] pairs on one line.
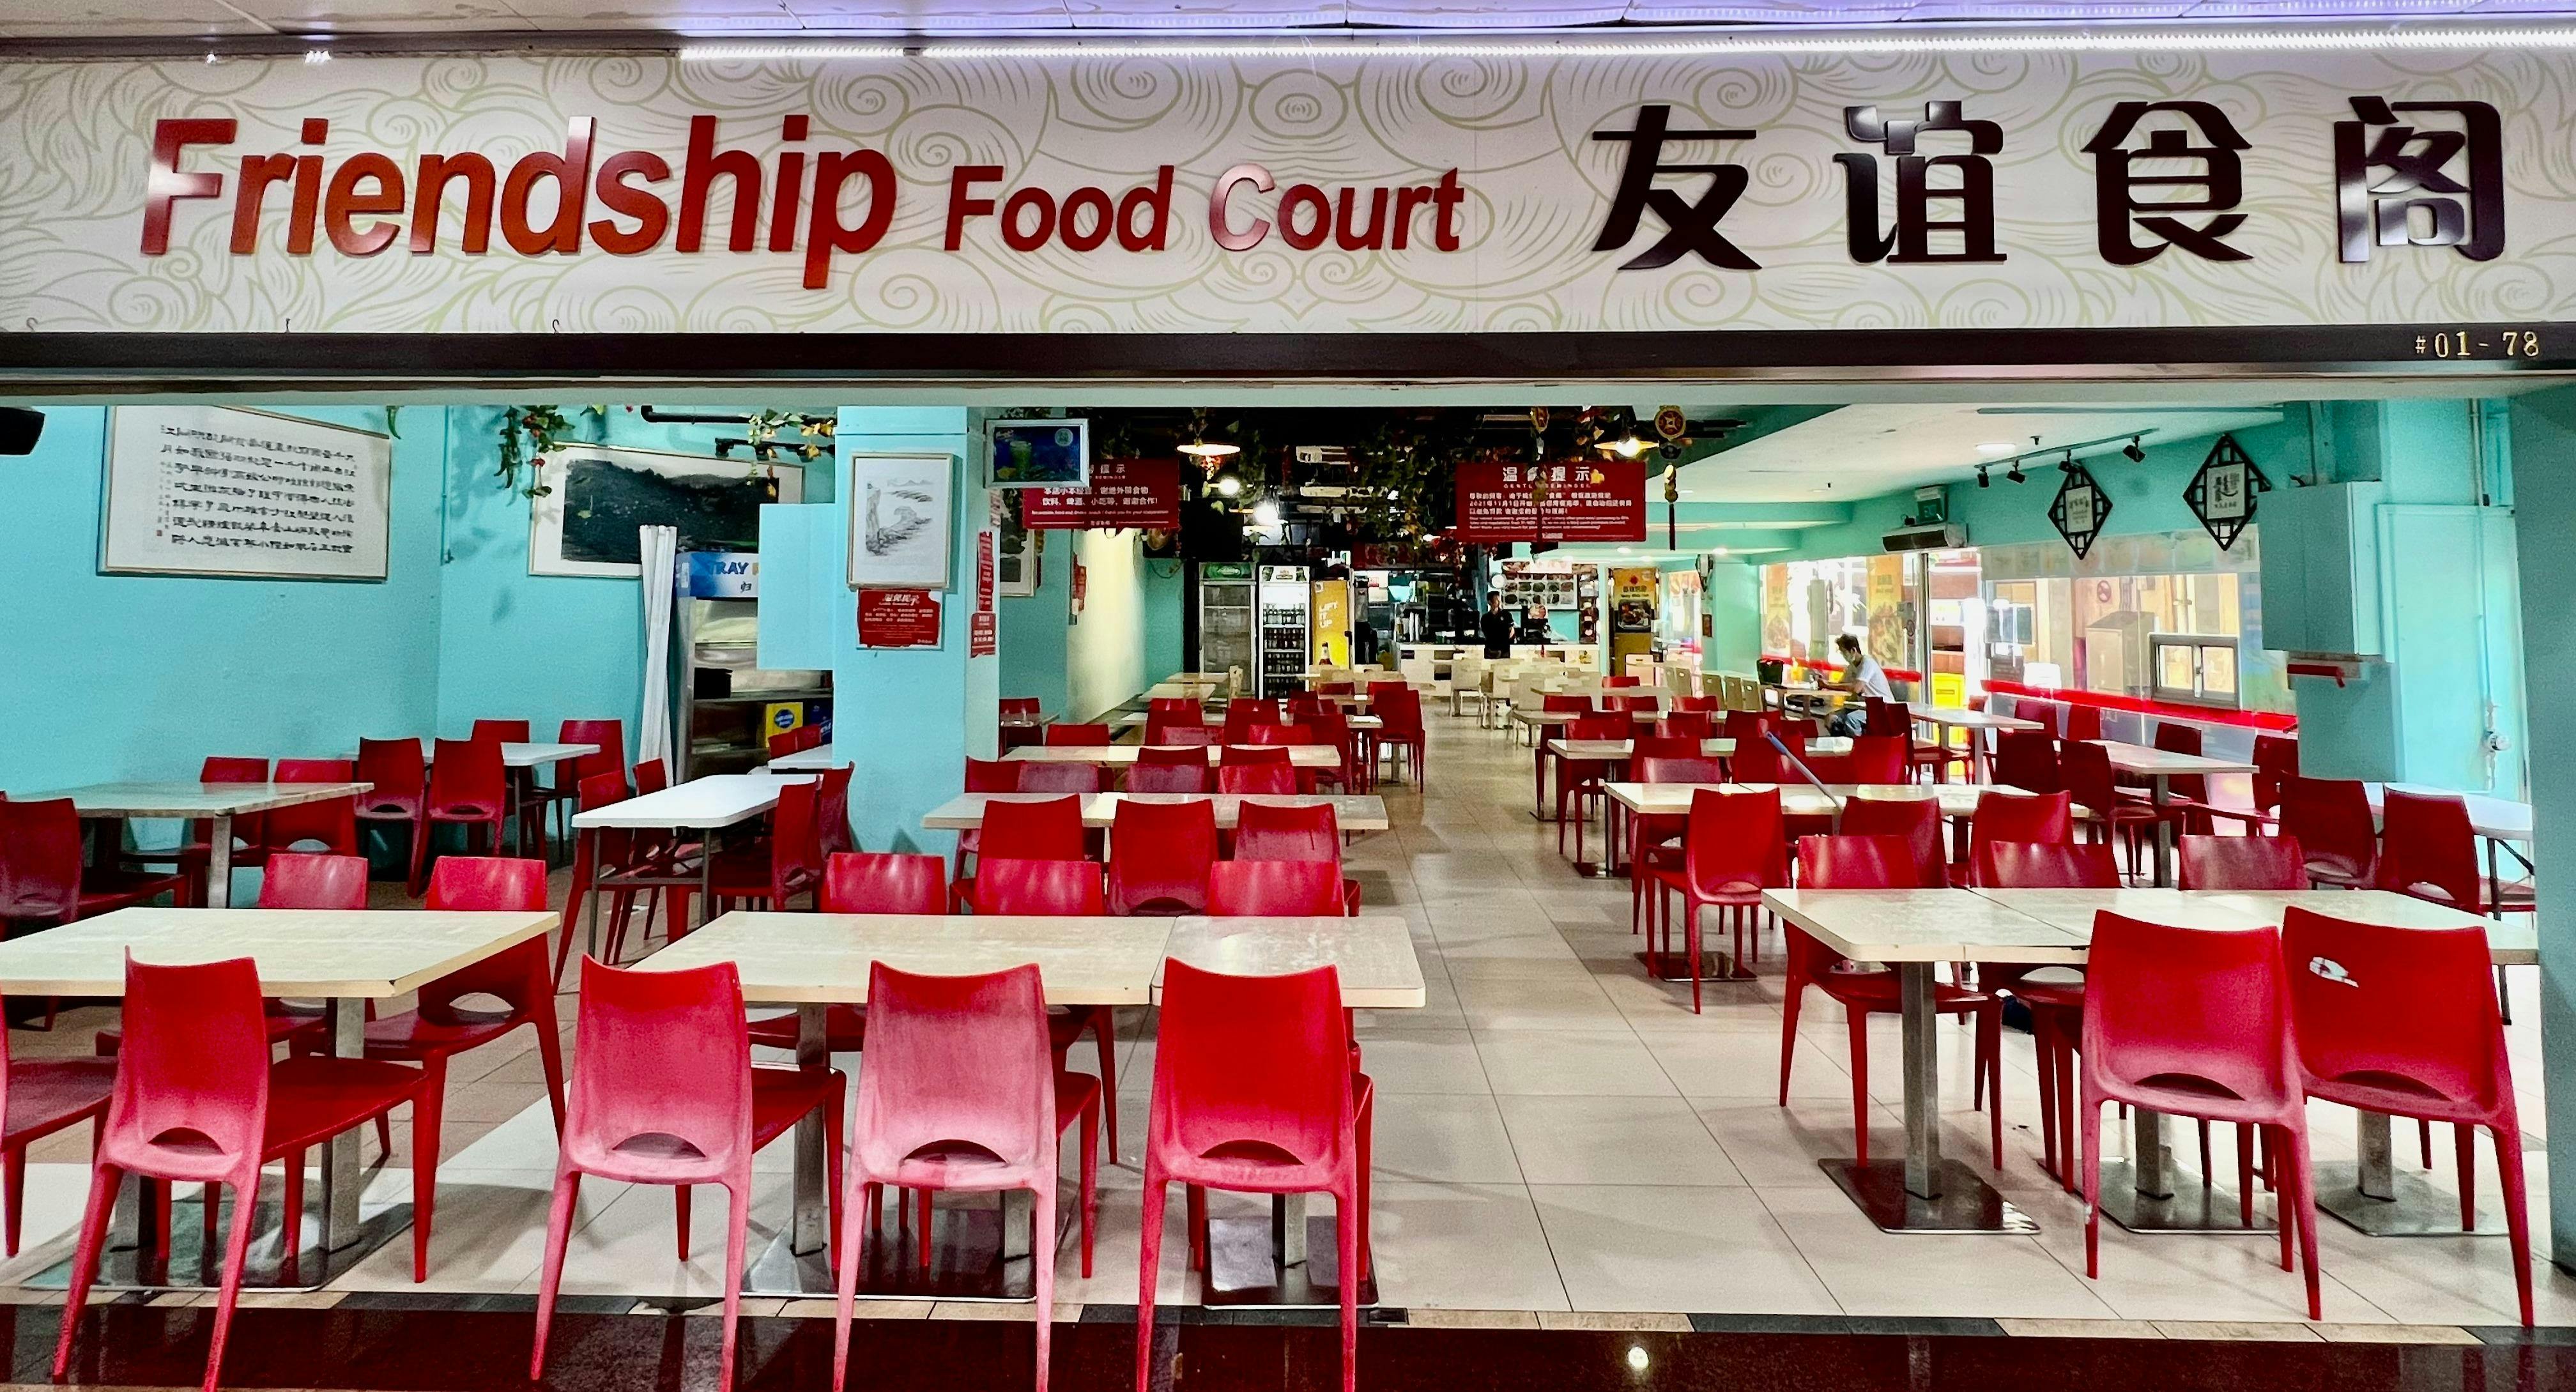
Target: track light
[[2067, 465], [2136, 453], [2015, 474], [1982, 480]]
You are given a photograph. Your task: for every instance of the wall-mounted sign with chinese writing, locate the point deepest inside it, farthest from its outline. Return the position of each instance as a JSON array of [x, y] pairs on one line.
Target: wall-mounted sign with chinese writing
[[2163, 184], [1142, 493], [2221, 495], [898, 619], [212, 490], [1570, 500], [982, 639], [2080, 510]]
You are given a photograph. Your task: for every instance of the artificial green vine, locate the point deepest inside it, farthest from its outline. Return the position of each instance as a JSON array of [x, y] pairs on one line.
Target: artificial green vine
[[528, 435], [762, 429]]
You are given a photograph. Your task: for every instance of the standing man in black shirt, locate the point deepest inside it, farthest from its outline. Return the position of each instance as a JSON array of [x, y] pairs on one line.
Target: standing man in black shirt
[[1496, 625]]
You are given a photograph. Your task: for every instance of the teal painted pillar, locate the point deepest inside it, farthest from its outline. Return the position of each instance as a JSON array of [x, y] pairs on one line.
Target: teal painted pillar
[[2544, 455], [1734, 603], [907, 719]]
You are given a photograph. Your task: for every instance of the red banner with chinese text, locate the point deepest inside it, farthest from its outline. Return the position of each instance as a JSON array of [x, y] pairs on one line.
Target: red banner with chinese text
[[1568, 500], [898, 619], [1143, 493]]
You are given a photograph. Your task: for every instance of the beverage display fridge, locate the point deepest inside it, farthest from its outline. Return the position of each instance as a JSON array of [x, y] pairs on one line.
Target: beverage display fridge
[[1225, 621], [1286, 603]]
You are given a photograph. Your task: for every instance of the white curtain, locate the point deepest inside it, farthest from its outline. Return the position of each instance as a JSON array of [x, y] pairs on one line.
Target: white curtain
[[660, 548]]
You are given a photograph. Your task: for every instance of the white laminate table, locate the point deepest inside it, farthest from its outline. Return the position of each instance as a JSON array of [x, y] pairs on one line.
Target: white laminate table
[[217, 803], [2160, 767], [1981, 727], [2369, 1193], [815, 961], [815, 760], [347, 957], [965, 812], [709, 806], [1307, 756]]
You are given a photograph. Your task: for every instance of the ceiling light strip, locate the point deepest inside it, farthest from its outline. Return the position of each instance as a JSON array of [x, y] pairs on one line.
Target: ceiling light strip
[[2444, 37]]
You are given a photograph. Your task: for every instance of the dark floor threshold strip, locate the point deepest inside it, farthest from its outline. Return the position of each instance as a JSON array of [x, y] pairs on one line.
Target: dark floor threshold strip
[[378, 1343]]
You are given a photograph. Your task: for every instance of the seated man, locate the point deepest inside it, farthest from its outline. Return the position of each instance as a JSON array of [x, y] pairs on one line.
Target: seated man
[[1862, 676]]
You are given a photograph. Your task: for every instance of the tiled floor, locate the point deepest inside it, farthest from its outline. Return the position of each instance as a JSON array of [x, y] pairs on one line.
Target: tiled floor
[[1556, 1133]]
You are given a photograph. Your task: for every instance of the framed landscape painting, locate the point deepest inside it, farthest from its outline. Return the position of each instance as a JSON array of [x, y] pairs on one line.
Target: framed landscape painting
[[901, 515], [602, 493]]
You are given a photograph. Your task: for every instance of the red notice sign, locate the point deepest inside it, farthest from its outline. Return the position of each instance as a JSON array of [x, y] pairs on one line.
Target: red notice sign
[[980, 638], [1569, 500], [983, 572], [898, 619], [1143, 493]]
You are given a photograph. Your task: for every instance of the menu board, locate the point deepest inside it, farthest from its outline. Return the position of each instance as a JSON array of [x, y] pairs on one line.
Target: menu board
[[1576, 500], [222, 491]]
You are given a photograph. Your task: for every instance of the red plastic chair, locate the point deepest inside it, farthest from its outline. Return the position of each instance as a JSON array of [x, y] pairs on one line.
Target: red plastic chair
[[2276, 761], [1706, 705], [1731, 851], [2243, 862], [2402, 1021], [468, 786], [1059, 736], [1399, 706], [1171, 776], [39, 1097], [664, 1092], [1159, 854], [832, 810], [2050, 865], [1254, 1093], [293, 880], [2003, 816], [1332, 729], [1051, 887], [1258, 734], [1274, 888], [440, 1027], [1614, 683], [1170, 755], [2331, 818], [1915, 821], [1579, 781], [1284, 831], [1026, 707], [330, 826], [1274, 780], [2189, 791], [2114, 814], [1188, 709], [1878, 759], [769, 876], [959, 1095], [1079, 778], [1566, 704], [1742, 725], [1876, 862], [1758, 760], [795, 741], [531, 797], [1251, 710], [197, 1100], [2196, 1022], [610, 736], [598, 854], [188, 859], [2429, 851], [1047, 829], [985, 776], [1689, 725], [2083, 722], [862, 882], [1193, 734], [42, 883], [1655, 841], [500, 731], [2026, 759], [399, 779]]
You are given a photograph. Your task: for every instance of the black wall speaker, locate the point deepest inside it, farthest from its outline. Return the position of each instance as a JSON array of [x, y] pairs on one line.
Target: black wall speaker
[[19, 428]]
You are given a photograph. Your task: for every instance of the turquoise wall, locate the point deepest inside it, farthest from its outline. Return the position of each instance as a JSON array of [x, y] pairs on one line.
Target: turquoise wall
[[546, 648], [128, 676], [923, 710], [2544, 453], [1032, 632], [1733, 601]]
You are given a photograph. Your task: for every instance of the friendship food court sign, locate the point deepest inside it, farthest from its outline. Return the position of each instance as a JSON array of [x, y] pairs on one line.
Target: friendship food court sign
[[1317, 193]]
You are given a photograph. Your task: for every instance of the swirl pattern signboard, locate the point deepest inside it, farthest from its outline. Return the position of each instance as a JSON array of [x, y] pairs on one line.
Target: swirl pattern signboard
[[1334, 194]]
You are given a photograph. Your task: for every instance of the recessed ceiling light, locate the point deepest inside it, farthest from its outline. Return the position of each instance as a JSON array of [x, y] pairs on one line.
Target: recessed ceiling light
[[1994, 447]]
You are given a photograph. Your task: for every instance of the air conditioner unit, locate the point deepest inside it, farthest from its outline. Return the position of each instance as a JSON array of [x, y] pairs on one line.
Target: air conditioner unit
[[1947, 536]]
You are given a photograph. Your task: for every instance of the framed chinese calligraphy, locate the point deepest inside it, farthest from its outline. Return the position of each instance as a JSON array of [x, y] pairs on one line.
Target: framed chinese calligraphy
[[221, 491], [2080, 509], [2221, 495], [603, 493]]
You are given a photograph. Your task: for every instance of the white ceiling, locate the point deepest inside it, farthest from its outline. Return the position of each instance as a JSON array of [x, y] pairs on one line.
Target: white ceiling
[[116, 19], [1871, 450]]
